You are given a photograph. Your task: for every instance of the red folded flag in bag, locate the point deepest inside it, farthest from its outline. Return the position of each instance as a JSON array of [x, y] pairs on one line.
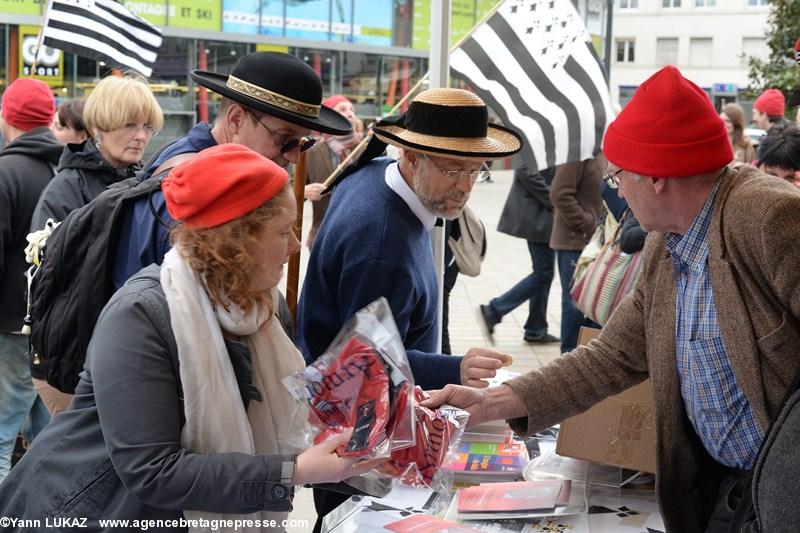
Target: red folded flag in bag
[[353, 393], [434, 431]]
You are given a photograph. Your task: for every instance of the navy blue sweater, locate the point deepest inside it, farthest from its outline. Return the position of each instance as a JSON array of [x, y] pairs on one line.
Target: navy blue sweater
[[371, 244]]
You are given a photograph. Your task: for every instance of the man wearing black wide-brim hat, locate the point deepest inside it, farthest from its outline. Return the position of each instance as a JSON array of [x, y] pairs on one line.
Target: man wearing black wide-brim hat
[[270, 103], [375, 238]]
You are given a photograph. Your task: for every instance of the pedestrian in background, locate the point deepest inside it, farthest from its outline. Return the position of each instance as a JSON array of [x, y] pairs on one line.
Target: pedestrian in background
[[578, 206], [733, 117], [27, 164], [527, 214], [68, 125]]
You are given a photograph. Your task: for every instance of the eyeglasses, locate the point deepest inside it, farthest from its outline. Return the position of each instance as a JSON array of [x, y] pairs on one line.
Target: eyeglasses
[[287, 144], [131, 128], [455, 176], [612, 179]]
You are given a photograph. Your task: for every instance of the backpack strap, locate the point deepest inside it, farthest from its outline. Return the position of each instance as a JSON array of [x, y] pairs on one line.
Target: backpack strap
[[164, 168]]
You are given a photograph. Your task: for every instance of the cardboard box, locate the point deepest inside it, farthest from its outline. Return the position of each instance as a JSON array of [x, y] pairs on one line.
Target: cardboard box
[[619, 431]]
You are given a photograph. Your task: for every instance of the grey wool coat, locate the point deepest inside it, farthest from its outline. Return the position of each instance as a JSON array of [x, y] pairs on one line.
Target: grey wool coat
[[754, 266]]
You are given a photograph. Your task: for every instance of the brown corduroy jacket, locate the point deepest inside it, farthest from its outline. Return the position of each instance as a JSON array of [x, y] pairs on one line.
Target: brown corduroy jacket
[[754, 265]]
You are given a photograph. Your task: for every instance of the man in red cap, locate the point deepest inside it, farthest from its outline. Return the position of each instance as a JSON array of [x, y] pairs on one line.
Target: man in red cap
[[768, 109], [713, 319], [26, 165]]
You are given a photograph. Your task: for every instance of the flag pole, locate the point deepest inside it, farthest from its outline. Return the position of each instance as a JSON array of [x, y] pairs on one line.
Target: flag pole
[[40, 37], [293, 275], [360, 147]]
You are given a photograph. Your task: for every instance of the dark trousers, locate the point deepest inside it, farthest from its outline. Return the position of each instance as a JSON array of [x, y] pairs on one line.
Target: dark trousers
[[571, 317], [534, 288]]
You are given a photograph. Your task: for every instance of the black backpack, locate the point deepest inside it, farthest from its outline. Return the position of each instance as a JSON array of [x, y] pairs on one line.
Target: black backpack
[[74, 282]]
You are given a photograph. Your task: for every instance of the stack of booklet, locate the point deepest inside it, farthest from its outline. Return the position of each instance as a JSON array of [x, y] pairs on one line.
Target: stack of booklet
[[482, 458]]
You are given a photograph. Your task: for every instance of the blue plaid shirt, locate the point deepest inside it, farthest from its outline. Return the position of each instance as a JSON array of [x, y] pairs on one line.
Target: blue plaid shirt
[[716, 406]]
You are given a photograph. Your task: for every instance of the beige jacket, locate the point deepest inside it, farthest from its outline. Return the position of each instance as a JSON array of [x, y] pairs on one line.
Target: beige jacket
[[754, 264]]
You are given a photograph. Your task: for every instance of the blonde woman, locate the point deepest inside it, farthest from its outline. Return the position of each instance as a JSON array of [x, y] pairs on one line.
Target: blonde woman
[[180, 412], [121, 115], [733, 117]]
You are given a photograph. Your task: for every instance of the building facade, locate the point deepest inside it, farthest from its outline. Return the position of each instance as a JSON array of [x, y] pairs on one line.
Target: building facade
[[708, 40]]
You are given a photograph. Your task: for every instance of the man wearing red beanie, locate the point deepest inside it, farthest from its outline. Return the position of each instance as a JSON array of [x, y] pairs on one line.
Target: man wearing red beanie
[[26, 165], [713, 319], [768, 109]]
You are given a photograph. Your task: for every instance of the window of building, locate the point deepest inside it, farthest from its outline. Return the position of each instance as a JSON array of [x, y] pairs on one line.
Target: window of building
[[625, 50], [705, 3], [670, 3], [754, 47], [666, 51], [757, 2], [700, 51], [625, 94], [628, 4]]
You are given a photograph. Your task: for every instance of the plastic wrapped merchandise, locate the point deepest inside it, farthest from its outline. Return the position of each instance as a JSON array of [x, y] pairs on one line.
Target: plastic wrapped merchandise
[[438, 434], [363, 381]]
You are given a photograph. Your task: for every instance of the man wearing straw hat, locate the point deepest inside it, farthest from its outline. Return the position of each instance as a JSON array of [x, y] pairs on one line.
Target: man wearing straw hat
[[375, 238], [270, 103]]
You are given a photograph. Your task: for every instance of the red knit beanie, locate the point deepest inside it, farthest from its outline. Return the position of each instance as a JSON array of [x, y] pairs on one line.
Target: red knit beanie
[[28, 104], [333, 101], [221, 184], [668, 130], [771, 103]]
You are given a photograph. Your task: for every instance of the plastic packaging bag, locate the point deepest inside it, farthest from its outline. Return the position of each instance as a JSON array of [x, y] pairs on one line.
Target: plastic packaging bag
[[362, 381], [437, 437]]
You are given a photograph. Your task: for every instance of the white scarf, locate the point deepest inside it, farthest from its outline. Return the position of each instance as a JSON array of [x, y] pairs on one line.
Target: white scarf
[[216, 421]]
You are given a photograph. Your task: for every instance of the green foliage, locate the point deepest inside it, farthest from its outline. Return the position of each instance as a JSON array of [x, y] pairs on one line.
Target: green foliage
[[780, 70]]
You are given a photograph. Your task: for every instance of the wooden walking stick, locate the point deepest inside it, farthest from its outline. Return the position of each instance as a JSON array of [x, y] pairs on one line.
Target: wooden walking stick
[[293, 276]]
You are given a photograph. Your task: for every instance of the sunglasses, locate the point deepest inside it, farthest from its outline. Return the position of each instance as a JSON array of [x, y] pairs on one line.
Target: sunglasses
[[286, 144]]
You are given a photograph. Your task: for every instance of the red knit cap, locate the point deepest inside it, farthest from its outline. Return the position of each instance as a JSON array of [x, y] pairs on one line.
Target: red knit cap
[[221, 184], [668, 130], [28, 104], [333, 101], [771, 103]]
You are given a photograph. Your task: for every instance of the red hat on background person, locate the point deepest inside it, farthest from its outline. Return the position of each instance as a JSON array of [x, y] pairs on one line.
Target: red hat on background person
[[334, 100], [771, 103], [28, 104], [669, 129], [220, 184]]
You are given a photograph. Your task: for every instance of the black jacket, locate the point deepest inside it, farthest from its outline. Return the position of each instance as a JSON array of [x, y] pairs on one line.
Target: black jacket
[[528, 213], [116, 453], [26, 166], [82, 175]]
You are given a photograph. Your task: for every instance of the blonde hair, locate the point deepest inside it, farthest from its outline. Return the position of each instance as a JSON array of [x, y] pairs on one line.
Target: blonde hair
[[118, 100], [222, 256]]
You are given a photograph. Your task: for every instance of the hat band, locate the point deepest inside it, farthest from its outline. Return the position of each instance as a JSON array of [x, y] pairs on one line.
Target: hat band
[[271, 98], [447, 120]]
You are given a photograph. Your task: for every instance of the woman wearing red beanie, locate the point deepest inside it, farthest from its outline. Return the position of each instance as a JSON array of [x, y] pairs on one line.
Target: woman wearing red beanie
[[180, 413]]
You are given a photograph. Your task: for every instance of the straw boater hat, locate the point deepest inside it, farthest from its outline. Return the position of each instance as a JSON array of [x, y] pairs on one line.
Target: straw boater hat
[[450, 123], [280, 85]]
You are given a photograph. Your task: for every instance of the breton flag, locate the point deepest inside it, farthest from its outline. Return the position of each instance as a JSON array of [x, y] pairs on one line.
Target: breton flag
[[533, 62], [103, 30]]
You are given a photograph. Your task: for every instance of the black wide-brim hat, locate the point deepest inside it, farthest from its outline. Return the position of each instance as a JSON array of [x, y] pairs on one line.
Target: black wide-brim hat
[[280, 85], [450, 123]]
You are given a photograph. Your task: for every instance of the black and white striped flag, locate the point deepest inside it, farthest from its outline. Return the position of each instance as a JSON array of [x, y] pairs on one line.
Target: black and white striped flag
[[533, 62], [103, 30]]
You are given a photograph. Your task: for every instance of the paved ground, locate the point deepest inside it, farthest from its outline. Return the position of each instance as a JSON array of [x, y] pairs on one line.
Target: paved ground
[[506, 262]]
